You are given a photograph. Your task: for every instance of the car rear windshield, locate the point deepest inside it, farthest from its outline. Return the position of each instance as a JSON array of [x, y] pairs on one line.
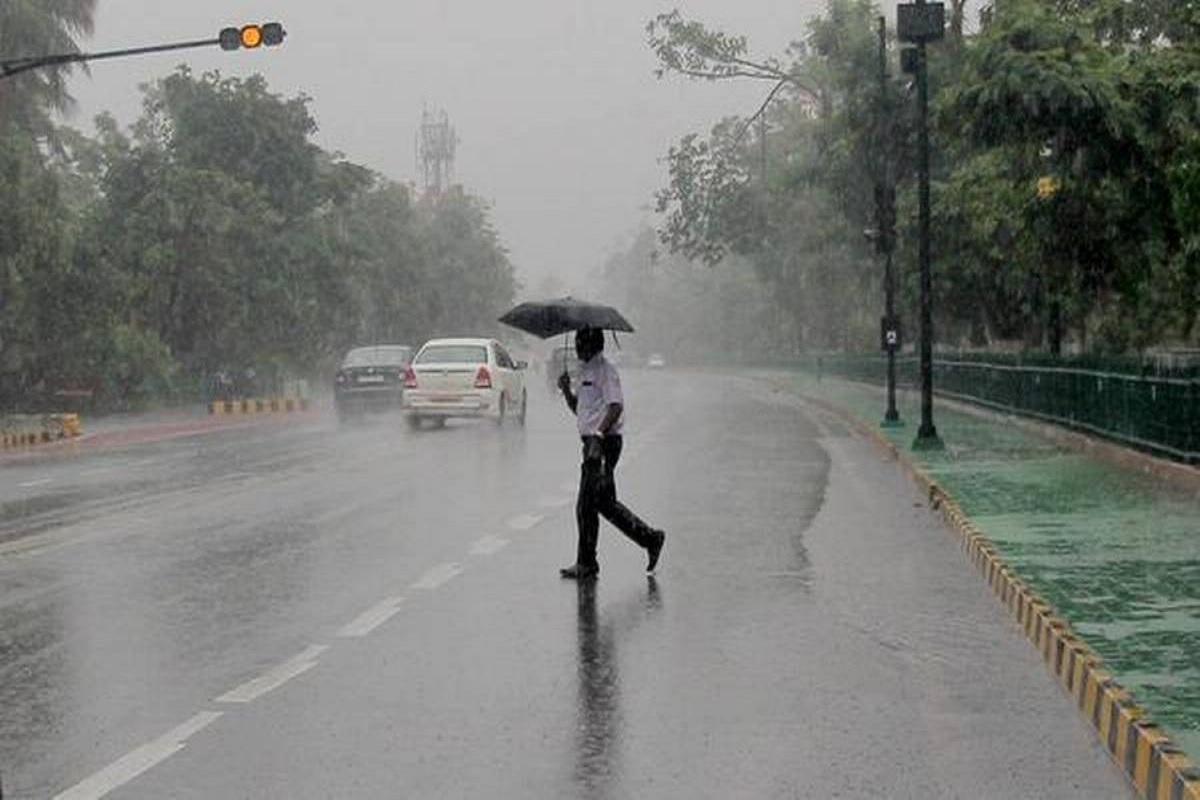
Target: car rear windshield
[[378, 357], [453, 354]]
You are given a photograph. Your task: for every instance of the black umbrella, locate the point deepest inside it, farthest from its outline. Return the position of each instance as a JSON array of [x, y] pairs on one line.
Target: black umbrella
[[548, 318]]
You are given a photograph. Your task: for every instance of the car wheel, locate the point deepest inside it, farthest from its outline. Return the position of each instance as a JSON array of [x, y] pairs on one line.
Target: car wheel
[[500, 412], [414, 422], [524, 407]]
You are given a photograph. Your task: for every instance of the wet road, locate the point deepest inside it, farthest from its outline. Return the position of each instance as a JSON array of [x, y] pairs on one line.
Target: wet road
[[299, 611]]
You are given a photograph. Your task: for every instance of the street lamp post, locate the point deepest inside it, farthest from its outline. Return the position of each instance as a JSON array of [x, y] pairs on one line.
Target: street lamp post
[[885, 215], [920, 23]]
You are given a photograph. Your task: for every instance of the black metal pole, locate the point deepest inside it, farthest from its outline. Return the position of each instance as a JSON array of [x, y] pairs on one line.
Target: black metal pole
[[15, 66], [887, 228], [927, 436]]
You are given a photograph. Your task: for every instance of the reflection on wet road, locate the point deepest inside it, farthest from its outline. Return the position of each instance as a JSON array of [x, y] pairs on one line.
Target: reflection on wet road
[[599, 726], [312, 611]]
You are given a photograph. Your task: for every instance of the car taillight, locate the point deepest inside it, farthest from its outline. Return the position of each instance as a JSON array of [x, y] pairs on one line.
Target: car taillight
[[483, 379], [410, 378]]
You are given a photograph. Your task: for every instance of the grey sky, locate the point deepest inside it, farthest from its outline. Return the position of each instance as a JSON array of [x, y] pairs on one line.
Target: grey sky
[[562, 122]]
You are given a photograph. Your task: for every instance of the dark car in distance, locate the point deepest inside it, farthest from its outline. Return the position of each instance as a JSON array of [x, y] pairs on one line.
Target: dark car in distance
[[371, 379]]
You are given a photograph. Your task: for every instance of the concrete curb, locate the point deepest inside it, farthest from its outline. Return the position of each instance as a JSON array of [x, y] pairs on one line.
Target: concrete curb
[[258, 405], [1158, 769]]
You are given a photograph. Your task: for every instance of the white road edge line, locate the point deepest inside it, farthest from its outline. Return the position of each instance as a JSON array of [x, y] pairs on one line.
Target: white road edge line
[[372, 618], [438, 576], [128, 767], [524, 522], [275, 677], [488, 545]]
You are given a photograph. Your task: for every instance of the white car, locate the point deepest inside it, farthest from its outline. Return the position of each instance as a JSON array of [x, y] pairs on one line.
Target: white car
[[464, 378]]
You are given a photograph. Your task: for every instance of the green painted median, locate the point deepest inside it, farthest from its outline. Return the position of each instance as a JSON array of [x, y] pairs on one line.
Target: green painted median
[[1115, 550]]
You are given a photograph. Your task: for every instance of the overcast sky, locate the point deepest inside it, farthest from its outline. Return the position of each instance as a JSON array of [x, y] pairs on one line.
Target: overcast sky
[[562, 123]]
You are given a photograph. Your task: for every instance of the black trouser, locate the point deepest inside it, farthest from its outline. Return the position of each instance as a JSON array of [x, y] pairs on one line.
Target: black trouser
[[598, 497]]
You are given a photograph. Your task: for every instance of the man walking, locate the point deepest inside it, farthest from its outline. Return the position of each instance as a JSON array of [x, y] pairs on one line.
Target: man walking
[[598, 408]]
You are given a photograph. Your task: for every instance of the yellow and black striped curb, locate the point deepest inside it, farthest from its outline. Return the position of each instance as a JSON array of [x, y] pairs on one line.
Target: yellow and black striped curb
[[258, 405], [1158, 769], [28, 431]]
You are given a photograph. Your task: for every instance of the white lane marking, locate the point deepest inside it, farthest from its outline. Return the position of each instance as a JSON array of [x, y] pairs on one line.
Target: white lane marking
[[128, 767], [373, 617], [275, 677], [438, 576], [524, 522], [549, 501], [38, 482], [488, 545]]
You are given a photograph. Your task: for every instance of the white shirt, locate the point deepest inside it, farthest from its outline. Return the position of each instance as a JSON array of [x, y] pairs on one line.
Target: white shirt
[[599, 387]]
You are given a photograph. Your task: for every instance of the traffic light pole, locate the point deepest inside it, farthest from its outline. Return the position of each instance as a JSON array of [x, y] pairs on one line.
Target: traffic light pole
[[921, 22], [927, 435], [248, 36], [16, 66]]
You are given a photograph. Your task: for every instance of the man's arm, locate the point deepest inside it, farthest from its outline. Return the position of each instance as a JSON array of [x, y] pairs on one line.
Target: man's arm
[[564, 385], [611, 415]]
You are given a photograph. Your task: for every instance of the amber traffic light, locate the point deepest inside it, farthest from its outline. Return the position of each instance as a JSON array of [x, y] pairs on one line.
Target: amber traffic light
[[252, 37]]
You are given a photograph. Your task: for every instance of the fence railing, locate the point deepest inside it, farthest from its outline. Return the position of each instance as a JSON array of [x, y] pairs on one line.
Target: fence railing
[[1152, 412]]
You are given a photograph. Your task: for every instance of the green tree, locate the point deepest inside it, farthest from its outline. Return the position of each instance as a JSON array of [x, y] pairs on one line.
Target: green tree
[[35, 29]]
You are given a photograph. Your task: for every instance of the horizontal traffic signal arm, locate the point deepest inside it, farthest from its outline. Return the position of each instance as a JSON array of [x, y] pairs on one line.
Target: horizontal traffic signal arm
[[248, 37]]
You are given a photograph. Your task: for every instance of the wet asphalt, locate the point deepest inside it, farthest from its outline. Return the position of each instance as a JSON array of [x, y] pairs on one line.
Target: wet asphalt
[[299, 610]]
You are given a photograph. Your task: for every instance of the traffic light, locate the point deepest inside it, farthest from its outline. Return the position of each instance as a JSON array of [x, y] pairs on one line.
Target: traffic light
[[251, 37]]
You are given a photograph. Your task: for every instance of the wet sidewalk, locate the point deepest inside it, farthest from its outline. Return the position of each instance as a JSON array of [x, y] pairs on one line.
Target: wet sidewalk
[[1116, 550]]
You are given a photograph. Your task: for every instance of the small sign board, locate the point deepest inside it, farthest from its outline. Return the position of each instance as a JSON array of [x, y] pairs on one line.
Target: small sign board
[[890, 334], [920, 22]]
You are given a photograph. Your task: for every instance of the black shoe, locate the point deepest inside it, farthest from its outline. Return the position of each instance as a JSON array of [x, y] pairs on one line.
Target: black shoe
[[655, 549], [579, 572]]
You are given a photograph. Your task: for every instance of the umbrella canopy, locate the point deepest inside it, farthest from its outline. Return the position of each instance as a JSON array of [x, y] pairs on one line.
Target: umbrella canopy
[[546, 318]]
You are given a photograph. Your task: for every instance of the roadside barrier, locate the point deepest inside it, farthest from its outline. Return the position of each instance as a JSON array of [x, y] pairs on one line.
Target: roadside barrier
[[28, 430], [1158, 769], [258, 405]]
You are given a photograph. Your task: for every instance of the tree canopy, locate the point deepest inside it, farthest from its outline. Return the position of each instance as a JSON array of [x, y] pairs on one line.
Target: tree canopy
[[214, 235], [1095, 99]]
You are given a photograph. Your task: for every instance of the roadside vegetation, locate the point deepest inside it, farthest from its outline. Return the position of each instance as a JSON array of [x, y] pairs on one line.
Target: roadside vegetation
[[1096, 102], [211, 236]]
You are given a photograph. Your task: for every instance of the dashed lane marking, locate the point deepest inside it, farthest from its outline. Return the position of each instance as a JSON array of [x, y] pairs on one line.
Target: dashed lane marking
[[524, 522], [274, 678], [488, 545], [128, 767], [438, 576], [372, 618], [38, 482]]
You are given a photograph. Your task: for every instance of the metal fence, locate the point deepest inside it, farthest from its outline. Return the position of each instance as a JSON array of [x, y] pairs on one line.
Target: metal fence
[[1153, 410]]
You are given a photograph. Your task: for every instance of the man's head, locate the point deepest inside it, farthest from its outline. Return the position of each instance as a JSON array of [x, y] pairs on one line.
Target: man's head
[[588, 342]]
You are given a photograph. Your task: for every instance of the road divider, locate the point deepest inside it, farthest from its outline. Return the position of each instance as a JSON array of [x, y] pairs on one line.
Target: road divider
[[258, 405], [1158, 769], [28, 430]]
